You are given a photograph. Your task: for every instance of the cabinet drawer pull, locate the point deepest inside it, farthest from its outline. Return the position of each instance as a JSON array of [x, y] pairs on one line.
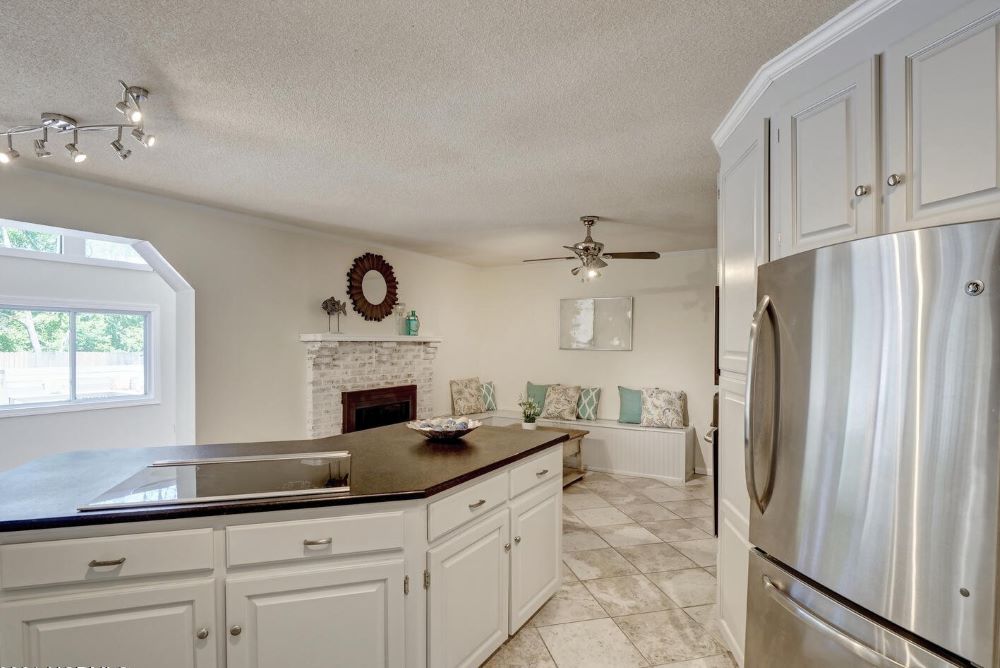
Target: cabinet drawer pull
[[477, 504], [308, 542], [94, 563], [542, 472]]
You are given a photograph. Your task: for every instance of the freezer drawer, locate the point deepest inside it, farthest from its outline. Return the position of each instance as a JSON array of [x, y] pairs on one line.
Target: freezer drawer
[[794, 624]]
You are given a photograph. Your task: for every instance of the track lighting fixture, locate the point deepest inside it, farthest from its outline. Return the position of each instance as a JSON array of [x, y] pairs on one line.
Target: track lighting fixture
[[10, 155], [143, 138], [74, 153], [40, 150], [123, 152], [130, 106]]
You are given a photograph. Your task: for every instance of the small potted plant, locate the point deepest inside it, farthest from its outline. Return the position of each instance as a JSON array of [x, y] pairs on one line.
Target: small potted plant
[[529, 411]]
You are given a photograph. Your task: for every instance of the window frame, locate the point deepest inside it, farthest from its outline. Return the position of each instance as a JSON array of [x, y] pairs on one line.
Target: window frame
[[70, 306]]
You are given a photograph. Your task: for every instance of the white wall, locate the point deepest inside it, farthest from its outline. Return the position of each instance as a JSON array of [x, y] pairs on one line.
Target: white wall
[[673, 332], [259, 286], [26, 437]]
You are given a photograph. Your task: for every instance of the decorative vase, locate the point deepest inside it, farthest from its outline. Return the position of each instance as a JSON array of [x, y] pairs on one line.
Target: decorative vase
[[531, 426], [400, 313], [412, 324]]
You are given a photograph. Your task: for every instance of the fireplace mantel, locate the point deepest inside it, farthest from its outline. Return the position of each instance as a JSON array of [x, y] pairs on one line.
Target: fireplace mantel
[[364, 338]]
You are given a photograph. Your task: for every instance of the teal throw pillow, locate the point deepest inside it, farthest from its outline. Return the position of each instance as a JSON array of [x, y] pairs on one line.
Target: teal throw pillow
[[630, 411], [489, 396], [537, 392], [586, 407]]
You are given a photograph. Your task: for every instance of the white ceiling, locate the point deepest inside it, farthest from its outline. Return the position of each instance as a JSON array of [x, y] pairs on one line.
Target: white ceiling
[[478, 131]]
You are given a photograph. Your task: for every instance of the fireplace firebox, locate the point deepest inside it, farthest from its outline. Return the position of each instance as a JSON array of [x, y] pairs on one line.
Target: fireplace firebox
[[367, 409]]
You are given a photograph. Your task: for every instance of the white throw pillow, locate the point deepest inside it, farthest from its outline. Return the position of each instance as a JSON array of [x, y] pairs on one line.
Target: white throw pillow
[[467, 396], [663, 408], [560, 402]]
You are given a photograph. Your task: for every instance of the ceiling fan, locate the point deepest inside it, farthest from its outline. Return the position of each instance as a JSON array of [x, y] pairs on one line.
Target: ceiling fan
[[591, 254]]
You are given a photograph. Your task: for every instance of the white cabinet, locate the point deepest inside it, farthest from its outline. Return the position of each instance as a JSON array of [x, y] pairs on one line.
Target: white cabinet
[[734, 512], [941, 115], [535, 562], [152, 626], [742, 240], [345, 616], [468, 596], [824, 163]]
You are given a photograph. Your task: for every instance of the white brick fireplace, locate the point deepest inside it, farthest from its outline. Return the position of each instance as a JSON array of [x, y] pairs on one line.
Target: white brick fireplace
[[337, 363]]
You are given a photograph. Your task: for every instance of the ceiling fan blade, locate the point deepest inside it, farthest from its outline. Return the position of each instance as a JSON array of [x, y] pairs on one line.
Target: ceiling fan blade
[[637, 255], [546, 259]]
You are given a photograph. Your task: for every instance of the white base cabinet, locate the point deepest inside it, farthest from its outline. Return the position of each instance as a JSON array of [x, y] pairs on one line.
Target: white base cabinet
[[139, 626], [467, 600], [535, 561], [348, 616]]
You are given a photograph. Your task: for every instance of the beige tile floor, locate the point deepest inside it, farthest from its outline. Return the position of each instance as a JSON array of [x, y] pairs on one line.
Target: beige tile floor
[[638, 581]]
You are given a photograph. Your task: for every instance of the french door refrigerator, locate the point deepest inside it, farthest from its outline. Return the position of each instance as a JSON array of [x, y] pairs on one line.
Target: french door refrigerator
[[872, 437]]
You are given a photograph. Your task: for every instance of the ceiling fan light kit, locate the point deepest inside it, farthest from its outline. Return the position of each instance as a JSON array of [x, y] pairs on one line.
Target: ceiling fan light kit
[[591, 254], [129, 106]]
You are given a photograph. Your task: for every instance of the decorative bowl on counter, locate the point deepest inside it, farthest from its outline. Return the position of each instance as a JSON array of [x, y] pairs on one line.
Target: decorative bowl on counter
[[444, 428]]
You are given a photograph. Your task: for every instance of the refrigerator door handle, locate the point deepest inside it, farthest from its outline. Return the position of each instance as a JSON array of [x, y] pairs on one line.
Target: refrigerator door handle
[[862, 651], [763, 308]]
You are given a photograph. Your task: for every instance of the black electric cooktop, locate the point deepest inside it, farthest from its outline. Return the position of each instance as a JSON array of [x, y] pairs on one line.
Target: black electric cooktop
[[178, 482]]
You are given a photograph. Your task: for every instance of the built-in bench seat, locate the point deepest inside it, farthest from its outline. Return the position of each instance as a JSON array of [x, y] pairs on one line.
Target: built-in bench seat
[[627, 449]]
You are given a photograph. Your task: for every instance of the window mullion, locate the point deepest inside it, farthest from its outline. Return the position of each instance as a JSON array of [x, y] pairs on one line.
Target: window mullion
[[72, 355]]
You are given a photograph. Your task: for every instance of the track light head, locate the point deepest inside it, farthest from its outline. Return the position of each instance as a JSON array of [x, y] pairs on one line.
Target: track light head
[[74, 153], [10, 155], [123, 152], [40, 150], [143, 138], [133, 114]]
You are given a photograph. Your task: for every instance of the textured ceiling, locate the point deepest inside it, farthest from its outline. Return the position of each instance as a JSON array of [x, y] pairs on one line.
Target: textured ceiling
[[478, 131]]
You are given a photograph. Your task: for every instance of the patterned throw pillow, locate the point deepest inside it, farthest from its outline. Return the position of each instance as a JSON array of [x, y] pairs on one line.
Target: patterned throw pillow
[[586, 407], [467, 396], [560, 402], [663, 408], [489, 396]]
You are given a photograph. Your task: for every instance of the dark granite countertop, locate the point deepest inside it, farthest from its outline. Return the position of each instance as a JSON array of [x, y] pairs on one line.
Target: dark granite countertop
[[387, 464]]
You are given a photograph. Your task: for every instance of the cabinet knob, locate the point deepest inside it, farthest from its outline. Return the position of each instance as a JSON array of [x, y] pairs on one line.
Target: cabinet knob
[[517, 540], [506, 547], [235, 630], [861, 191], [894, 180], [201, 633]]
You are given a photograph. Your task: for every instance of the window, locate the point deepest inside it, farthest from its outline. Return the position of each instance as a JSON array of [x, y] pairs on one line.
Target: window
[[29, 240], [53, 356], [52, 243]]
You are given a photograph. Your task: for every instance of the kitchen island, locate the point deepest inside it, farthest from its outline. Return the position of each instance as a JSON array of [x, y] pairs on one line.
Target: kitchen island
[[436, 554]]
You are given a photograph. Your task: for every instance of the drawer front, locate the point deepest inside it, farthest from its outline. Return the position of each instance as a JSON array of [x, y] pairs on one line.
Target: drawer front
[[469, 504], [311, 539], [535, 472], [105, 558]]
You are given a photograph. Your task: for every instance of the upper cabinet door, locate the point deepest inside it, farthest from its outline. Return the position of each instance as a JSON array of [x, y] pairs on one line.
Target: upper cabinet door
[[825, 162], [743, 232], [941, 120]]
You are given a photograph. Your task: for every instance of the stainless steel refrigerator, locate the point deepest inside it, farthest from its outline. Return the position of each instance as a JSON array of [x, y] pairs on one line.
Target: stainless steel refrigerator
[[873, 430]]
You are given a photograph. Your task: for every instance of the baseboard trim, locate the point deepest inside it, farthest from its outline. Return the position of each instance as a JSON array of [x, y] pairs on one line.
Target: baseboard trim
[[730, 639], [661, 478], [702, 470]]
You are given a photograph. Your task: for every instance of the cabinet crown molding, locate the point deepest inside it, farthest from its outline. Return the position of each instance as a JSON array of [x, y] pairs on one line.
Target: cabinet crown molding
[[845, 22]]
